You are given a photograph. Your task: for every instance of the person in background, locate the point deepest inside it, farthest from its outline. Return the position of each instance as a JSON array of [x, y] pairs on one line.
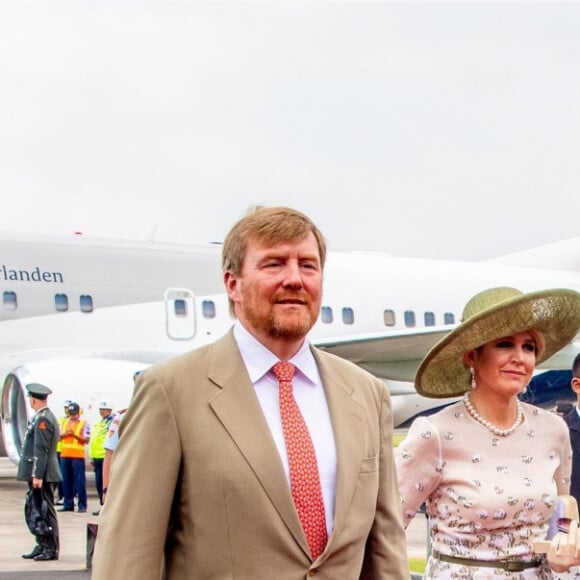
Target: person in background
[[257, 456], [490, 467], [572, 419], [99, 433], [39, 467], [75, 435], [110, 445], [562, 408], [59, 487]]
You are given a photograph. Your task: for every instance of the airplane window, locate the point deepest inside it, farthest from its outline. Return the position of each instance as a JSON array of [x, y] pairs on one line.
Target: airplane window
[[9, 300], [180, 307], [348, 315], [326, 314], [429, 319], [86, 303], [61, 302], [409, 318], [208, 308], [449, 318], [389, 317]]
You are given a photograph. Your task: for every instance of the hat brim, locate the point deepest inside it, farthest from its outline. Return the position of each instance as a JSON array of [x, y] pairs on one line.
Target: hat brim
[[556, 313]]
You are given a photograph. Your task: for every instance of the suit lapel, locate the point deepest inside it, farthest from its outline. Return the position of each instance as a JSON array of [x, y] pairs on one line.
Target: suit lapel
[[239, 411], [347, 421]]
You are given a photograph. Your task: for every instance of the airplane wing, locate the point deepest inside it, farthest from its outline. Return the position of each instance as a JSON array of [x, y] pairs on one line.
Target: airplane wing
[[396, 356], [563, 358], [388, 355]]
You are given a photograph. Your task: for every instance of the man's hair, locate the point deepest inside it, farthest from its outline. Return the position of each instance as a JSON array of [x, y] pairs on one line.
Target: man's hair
[[269, 226], [576, 367], [564, 407]]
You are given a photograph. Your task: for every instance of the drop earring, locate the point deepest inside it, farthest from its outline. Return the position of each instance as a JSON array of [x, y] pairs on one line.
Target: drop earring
[[473, 381]]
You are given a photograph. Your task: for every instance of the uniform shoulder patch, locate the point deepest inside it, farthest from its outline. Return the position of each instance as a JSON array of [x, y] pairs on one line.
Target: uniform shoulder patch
[[42, 425]]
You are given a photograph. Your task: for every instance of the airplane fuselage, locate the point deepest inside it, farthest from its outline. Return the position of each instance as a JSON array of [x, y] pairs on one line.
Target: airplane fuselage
[[83, 315]]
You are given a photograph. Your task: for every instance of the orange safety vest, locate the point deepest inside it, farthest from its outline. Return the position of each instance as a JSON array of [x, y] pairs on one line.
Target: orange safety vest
[[71, 446]]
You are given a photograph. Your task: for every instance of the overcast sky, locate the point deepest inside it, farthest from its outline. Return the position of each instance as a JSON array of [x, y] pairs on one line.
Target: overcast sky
[[445, 130]]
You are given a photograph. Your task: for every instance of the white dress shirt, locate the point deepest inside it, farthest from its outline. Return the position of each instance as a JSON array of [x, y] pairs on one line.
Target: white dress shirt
[[310, 398]]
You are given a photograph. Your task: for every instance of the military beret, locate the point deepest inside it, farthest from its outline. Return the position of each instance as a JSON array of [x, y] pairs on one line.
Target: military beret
[[38, 391]]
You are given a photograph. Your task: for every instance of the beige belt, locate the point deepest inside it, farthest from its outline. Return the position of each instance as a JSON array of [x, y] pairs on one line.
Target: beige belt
[[507, 565]]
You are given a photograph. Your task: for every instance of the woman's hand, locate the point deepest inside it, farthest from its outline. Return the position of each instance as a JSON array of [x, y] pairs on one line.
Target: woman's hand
[[564, 549]]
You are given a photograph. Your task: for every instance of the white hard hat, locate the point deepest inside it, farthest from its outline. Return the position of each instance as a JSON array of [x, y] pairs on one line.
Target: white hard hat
[[105, 404]]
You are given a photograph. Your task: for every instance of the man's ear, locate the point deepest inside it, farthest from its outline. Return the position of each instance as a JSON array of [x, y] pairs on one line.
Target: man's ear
[[231, 284], [575, 384]]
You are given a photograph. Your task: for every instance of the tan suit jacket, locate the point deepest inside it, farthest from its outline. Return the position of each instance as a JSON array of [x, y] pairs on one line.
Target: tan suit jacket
[[197, 477]]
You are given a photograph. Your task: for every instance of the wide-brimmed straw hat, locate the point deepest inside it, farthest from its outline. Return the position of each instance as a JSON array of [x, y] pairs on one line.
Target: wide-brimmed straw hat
[[490, 315]]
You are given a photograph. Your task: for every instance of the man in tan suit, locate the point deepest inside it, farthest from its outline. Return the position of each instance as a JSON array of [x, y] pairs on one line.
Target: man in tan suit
[[205, 484]]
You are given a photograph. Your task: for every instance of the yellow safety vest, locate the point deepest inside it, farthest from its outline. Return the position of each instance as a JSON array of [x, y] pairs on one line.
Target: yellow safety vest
[[71, 446], [98, 436], [60, 421]]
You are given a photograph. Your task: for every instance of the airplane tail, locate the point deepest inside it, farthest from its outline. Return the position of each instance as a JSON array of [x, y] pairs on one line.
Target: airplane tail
[[561, 255]]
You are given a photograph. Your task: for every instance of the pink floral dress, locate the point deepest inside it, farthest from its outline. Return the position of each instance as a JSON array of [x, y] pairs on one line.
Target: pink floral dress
[[487, 497]]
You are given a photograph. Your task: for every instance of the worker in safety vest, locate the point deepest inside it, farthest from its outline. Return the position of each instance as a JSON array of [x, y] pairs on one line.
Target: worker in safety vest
[[59, 487], [96, 445], [76, 433]]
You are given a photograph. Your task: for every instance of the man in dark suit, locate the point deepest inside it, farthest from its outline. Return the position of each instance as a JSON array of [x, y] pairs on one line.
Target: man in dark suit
[[39, 467], [258, 456], [573, 421]]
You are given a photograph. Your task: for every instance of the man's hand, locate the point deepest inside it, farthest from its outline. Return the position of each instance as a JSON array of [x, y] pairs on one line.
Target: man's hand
[[36, 483]]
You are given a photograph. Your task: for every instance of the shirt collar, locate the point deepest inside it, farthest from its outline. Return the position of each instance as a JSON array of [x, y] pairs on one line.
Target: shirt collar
[[40, 410], [259, 360]]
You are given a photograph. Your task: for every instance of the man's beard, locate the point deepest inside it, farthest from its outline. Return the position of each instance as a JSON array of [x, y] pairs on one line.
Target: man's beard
[[293, 330], [279, 326]]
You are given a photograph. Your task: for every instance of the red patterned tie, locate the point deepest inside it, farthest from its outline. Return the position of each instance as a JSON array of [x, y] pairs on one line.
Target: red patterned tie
[[304, 478]]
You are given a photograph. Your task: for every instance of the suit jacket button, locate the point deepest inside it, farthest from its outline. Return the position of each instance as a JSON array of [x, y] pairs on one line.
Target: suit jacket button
[[312, 572]]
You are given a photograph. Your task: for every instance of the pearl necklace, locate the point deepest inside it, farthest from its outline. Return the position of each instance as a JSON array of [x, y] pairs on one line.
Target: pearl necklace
[[495, 430]]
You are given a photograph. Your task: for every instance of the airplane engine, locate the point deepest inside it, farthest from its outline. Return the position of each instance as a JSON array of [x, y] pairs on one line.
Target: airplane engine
[[14, 413], [85, 381], [14, 417]]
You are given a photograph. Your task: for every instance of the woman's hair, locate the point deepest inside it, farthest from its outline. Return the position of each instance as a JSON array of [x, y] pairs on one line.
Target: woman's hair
[[538, 337], [269, 226]]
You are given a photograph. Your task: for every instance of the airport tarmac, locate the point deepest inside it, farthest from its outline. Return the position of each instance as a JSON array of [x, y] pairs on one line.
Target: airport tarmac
[[15, 539]]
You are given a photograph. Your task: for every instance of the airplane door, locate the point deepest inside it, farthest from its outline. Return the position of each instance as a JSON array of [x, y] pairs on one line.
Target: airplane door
[[179, 313]]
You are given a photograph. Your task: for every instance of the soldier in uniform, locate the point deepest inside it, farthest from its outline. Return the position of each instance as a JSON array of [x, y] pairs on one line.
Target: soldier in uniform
[[39, 467]]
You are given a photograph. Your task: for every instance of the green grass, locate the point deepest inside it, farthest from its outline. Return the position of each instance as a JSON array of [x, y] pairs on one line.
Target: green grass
[[397, 438], [417, 565]]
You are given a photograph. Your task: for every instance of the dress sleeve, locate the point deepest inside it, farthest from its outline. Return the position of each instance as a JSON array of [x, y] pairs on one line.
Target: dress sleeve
[[419, 463], [564, 472]]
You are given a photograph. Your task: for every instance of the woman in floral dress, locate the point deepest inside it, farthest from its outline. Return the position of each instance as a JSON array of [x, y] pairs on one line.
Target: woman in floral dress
[[489, 468]]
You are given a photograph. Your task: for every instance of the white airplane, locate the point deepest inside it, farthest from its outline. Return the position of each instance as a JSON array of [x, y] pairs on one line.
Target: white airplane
[[81, 315]]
